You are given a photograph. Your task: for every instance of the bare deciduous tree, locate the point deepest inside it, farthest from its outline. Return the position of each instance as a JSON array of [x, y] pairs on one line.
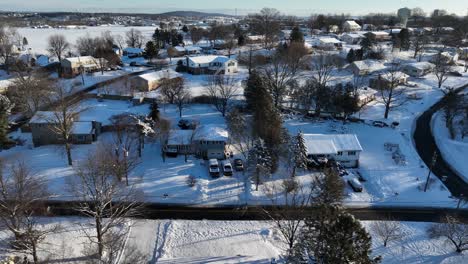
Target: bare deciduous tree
[[267, 24], [104, 198], [7, 45], [134, 38], [240, 132], [322, 69], [57, 46], [442, 68], [453, 230], [221, 89], [170, 87], [387, 230], [391, 95]]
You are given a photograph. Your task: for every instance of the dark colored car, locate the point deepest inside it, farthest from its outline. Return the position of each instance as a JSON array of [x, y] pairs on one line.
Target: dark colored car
[[238, 165], [187, 124], [379, 124]]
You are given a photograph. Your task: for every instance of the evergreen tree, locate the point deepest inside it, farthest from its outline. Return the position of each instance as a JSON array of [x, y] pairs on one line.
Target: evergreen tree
[[259, 162], [298, 151], [25, 41], [351, 57], [404, 39], [346, 100], [334, 236], [250, 92], [5, 108], [157, 38], [150, 50], [185, 29], [154, 111], [241, 40], [366, 45], [359, 54], [296, 35]]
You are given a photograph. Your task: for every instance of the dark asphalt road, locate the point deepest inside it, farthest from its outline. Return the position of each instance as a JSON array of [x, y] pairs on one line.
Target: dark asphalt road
[[234, 213], [425, 145]]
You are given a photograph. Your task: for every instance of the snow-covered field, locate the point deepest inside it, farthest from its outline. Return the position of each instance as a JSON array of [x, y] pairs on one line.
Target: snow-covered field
[[177, 241], [38, 37]]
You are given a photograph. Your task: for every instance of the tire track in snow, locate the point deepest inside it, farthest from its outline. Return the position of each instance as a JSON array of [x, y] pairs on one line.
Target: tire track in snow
[[161, 237]]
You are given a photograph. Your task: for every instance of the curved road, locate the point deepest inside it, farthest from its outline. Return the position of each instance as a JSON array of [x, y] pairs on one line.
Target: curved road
[[425, 145]]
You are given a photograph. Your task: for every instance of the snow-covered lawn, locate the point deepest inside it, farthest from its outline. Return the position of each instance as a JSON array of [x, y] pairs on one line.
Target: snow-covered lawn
[[455, 152], [181, 241]]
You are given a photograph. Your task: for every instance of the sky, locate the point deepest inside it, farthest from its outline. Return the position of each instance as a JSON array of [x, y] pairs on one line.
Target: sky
[[241, 7]]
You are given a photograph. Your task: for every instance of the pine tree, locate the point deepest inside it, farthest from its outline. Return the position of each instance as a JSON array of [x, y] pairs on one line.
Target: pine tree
[[5, 108], [154, 111], [298, 151], [185, 29], [404, 39], [250, 92], [259, 162], [241, 40], [296, 35], [334, 236], [366, 45], [150, 50], [25, 41], [351, 57]]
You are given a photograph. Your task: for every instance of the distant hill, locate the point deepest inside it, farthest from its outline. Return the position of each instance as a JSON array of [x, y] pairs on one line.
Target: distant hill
[[191, 14]]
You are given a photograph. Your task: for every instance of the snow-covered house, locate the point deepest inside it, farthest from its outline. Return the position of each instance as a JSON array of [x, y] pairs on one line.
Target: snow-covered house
[[344, 148], [351, 25], [43, 133], [462, 53], [365, 67], [72, 67], [418, 69], [133, 52], [387, 80], [152, 80], [206, 141], [210, 64], [446, 57], [352, 38], [379, 35], [329, 43]]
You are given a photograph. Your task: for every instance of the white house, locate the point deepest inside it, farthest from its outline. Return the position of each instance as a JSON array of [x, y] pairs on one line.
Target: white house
[[152, 80], [418, 69], [210, 64], [329, 43], [352, 38], [351, 25], [344, 148], [365, 67]]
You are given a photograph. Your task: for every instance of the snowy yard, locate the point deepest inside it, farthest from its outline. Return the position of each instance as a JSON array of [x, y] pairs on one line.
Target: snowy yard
[[178, 241]]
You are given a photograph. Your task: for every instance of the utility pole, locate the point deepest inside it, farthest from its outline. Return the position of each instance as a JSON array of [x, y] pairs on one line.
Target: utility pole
[[433, 161]]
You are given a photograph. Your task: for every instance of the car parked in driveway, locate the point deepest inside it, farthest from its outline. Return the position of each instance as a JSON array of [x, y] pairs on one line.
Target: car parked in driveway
[[213, 168], [355, 184], [187, 124], [238, 165], [227, 168]]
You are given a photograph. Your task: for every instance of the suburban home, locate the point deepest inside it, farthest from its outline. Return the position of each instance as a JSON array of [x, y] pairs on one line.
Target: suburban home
[[352, 38], [329, 43], [418, 69], [333, 29], [462, 53], [133, 52], [383, 81], [179, 51], [152, 80], [43, 122], [72, 67], [446, 57], [351, 25], [210, 64], [192, 50], [365, 67], [206, 141], [343, 148], [379, 35]]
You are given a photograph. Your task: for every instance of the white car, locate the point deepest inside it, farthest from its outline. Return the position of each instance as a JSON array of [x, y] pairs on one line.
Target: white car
[[227, 168], [213, 167], [355, 184]]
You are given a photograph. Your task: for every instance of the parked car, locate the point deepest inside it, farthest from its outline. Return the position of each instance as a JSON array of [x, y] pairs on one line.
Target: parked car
[[227, 168], [213, 168], [359, 175], [238, 165], [379, 124], [187, 124], [455, 73], [355, 184]]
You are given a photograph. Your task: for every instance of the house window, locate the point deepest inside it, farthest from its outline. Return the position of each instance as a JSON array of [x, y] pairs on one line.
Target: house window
[[340, 153], [351, 153]]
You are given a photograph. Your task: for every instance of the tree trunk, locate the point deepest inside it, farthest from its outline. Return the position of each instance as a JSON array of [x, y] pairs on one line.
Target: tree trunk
[[387, 110], [34, 252], [68, 150], [99, 237]]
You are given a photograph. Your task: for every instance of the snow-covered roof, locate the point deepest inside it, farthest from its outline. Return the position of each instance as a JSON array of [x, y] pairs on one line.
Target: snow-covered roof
[[157, 75], [209, 59], [179, 48], [82, 127], [43, 117], [332, 143], [369, 65], [351, 23], [133, 50], [379, 33], [192, 48], [423, 65], [211, 133], [180, 137], [390, 77], [80, 59], [356, 35], [330, 40], [42, 60]]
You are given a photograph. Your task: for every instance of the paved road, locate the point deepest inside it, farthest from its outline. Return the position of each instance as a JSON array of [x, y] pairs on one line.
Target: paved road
[[425, 145], [232, 213]]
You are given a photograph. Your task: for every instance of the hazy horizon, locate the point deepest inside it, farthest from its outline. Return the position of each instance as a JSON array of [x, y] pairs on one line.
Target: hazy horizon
[[242, 7]]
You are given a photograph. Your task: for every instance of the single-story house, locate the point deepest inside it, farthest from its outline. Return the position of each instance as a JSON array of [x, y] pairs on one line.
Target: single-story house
[[72, 67], [352, 38], [387, 80], [206, 141], [133, 52], [191, 50], [445, 56], [43, 132], [418, 69], [379, 35], [366, 67], [210, 64], [152, 80], [329, 43], [351, 25], [343, 148]]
